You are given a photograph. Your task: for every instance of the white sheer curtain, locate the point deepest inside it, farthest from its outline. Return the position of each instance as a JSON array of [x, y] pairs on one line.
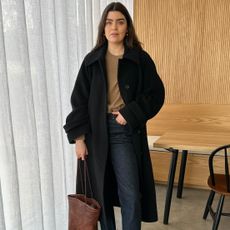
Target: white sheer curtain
[[42, 43]]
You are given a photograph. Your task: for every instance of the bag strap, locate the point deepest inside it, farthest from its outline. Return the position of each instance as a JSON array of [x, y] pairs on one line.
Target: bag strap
[[84, 179]]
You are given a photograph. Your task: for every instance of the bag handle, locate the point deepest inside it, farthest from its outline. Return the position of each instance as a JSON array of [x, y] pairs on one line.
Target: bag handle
[[85, 178]]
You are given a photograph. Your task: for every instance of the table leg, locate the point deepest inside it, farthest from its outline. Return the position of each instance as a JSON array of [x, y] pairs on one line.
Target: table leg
[[171, 177], [182, 172]]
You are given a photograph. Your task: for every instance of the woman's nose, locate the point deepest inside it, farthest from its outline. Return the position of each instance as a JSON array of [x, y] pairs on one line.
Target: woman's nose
[[114, 26]]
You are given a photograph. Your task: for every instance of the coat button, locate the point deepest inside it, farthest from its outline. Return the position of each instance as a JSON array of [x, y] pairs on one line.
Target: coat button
[[139, 131], [127, 86]]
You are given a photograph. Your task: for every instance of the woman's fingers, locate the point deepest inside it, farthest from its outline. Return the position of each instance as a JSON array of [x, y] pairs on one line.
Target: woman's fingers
[[81, 149], [119, 118], [83, 156]]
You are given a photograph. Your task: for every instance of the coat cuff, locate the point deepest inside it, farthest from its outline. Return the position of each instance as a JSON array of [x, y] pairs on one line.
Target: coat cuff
[[75, 133]]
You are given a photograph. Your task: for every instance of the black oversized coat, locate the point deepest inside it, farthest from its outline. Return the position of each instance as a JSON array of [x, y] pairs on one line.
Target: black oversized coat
[[143, 93]]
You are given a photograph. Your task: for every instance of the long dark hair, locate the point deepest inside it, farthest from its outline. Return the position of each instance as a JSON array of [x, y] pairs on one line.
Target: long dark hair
[[131, 40]]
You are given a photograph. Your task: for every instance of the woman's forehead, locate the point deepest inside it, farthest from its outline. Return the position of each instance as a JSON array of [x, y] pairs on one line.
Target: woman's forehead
[[115, 15]]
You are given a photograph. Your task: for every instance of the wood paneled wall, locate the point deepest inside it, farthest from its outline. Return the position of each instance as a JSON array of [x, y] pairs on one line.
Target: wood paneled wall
[[189, 41]]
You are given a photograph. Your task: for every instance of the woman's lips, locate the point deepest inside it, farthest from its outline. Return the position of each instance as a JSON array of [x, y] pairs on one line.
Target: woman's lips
[[113, 34]]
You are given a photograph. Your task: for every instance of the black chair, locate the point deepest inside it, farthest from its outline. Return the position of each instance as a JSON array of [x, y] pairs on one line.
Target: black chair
[[219, 183]]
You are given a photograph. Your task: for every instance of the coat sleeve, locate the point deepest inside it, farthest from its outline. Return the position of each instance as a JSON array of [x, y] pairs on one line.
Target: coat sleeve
[[151, 97], [77, 122]]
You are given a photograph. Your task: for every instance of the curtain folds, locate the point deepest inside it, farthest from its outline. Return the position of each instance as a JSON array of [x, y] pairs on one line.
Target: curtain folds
[[42, 44]]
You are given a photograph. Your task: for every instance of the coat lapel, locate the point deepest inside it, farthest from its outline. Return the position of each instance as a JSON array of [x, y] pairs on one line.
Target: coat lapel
[[99, 55]]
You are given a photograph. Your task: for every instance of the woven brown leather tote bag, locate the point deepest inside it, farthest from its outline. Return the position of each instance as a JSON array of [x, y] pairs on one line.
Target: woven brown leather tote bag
[[84, 211]]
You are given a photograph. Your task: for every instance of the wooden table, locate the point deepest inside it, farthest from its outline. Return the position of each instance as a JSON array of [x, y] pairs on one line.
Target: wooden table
[[184, 142]]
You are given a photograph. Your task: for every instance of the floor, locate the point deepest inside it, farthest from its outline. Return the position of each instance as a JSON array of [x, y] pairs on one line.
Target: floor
[[185, 214]]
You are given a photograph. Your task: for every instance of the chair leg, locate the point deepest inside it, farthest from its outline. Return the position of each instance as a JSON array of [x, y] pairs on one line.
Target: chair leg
[[208, 204], [218, 213]]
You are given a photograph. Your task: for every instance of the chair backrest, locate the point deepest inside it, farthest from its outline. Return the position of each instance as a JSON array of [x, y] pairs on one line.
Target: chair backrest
[[222, 150]]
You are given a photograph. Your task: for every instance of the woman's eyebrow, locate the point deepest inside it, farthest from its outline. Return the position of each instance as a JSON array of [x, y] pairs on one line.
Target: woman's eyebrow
[[119, 19]]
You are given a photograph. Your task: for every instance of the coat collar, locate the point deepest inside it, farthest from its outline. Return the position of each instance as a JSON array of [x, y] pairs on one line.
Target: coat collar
[[99, 54]]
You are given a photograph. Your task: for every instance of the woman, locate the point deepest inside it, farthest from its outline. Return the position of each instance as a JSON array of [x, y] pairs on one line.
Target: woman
[[117, 90]]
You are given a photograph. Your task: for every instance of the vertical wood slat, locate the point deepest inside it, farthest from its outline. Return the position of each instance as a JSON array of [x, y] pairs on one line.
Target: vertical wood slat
[[190, 42]]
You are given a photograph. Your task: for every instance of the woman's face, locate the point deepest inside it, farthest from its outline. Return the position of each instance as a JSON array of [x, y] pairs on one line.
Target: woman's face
[[115, 27]]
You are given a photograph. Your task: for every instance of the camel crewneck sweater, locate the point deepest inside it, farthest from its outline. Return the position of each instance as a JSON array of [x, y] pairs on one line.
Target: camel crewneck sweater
[[114, 100]]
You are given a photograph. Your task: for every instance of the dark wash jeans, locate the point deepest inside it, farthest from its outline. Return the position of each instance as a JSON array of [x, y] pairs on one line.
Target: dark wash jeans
[[124, 163]]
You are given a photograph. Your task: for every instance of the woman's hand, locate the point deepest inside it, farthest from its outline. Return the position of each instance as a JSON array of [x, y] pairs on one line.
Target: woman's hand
[[119, 118], [81, 149]]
